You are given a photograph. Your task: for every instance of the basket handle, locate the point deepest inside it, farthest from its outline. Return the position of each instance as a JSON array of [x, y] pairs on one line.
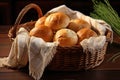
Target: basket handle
[[12, 31]]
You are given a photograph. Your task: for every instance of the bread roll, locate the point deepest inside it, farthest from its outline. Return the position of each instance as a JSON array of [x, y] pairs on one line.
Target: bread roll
[[57, 21], [77, 24], [43, 32], [66, 37], [40, 21], [86, 33]]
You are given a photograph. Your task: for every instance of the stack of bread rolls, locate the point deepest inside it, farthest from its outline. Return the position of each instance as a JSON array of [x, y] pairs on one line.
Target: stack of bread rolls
[[59, 27]]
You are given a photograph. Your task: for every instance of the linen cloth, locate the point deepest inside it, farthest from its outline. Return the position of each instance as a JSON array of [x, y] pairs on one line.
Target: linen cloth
[[18, 56]]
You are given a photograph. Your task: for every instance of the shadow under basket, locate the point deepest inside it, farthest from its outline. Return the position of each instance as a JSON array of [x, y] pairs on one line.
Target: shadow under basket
[[66, 58]]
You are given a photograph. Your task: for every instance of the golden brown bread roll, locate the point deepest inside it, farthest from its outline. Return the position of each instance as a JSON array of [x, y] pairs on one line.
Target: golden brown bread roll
[[43, 32], [85, 33], [77, 24], [40, 21], [57, 21], [66, 37]]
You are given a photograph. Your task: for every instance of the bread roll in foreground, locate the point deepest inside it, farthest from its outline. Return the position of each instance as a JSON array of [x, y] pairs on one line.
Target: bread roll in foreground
[[66, 37], [77, 24], [40, 21], [86, 33], [57, 21], [43, 32]]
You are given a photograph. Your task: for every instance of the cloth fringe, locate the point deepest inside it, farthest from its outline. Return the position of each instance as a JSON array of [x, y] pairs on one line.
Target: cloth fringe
[[2, 61], [40, 54]]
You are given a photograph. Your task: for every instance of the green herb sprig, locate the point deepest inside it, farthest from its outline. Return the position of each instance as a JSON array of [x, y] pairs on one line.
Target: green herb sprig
[[103, 10]]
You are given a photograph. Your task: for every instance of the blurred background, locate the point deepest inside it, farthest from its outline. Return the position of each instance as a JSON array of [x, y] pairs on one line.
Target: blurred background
[[9, 9]]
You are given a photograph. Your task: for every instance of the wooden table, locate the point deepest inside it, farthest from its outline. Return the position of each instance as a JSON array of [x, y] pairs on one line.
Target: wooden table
[[106, 71]]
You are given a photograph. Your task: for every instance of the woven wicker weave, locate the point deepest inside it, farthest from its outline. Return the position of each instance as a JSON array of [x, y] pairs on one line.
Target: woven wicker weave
[[67, 58]]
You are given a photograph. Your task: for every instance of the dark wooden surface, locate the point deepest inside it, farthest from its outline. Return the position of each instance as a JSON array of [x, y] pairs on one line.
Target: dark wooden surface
[[106, 71]]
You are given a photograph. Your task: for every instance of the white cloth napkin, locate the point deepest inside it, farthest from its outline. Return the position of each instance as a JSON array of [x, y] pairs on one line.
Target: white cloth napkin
[[40, 54], [26, 49], [18, 56]]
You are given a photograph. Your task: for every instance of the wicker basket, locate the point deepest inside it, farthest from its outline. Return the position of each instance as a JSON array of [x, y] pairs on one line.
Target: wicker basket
[[66, 58]]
